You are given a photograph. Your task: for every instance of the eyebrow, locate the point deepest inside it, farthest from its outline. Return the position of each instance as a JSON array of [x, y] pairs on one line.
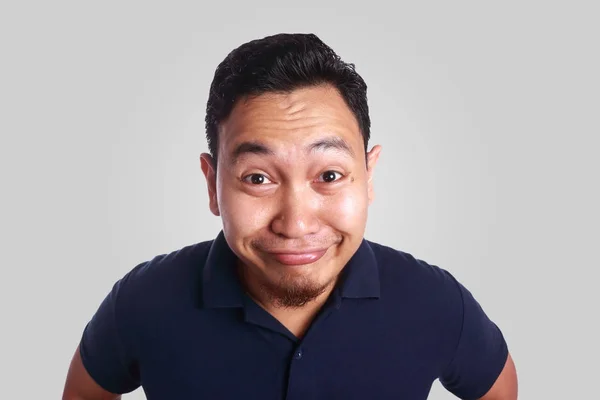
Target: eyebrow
[[331, 143], [256, 147], [251, 147]]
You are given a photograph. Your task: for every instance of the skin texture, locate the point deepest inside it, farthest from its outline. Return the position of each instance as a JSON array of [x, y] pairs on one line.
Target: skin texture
[[506, 386], [291, 175], [80, 385]]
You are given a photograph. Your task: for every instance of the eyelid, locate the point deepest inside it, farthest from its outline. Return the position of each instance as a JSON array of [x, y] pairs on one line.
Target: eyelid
[[342, 175], [245, 177]]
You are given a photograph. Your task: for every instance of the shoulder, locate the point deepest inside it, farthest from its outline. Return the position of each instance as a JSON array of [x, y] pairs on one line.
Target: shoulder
[[421, 299], [400, 268], [165, 278], [183, 261], [418, 288]]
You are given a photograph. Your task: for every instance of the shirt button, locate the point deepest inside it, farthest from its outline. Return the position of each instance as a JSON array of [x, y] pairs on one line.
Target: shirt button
[[298, 354]]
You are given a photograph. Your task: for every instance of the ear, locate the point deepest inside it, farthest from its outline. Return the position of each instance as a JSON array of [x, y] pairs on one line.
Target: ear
[[372, 157], [209, 168]]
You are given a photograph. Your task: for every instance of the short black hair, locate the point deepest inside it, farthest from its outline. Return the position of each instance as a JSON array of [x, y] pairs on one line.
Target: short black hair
[[282, 63]]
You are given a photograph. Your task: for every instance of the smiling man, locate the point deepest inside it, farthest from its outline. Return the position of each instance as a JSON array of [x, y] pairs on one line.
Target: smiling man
[[289, 301]]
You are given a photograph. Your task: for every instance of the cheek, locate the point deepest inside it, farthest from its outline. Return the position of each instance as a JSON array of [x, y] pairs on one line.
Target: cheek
[[241, 213], [347, 210]]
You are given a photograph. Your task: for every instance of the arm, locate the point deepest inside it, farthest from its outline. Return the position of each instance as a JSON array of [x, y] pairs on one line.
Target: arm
[[481, 367], [105, 364], [506, 386], [80, 385]]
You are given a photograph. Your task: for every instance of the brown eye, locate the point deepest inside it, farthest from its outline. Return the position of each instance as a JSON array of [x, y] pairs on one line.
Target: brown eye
[[330, 176], [256, 179]]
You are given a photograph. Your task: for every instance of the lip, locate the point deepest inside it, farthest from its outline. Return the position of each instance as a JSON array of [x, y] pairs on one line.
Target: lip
[[298, 257]]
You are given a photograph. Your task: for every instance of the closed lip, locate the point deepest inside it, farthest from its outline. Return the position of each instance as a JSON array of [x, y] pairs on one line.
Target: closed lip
[[296, 252], [298, 257]]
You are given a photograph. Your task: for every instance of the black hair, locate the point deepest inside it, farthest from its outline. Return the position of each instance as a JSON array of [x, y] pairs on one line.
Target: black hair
[[281, 63]]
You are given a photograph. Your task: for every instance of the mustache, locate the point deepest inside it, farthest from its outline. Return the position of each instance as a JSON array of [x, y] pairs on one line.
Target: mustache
[[274, 243]]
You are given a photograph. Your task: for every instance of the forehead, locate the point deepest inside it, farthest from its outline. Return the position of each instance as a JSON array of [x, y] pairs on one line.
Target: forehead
[[288, 119]]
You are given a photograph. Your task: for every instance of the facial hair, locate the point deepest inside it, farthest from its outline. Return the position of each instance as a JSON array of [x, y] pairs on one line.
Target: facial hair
[[292, 293]]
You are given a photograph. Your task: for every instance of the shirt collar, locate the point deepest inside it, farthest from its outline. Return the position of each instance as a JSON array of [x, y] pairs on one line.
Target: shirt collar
[[220, 283], [222, 288], [360, 276]]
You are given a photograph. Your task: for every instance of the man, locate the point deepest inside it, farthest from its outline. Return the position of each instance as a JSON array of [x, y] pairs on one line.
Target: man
[[289, 301]]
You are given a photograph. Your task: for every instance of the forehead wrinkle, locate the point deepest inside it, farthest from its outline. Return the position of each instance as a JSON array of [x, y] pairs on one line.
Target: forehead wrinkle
[[292, 108], [282, 108], [263, 122], [275, 116], [314, 137]]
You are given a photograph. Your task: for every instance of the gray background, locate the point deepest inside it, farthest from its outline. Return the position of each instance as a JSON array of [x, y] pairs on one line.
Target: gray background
[[487, 114]]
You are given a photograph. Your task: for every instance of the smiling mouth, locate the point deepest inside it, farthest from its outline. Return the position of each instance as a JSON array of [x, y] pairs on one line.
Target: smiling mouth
[[298, 257]]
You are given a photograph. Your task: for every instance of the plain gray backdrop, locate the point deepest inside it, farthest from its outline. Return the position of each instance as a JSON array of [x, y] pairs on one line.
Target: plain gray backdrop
[[488, 114]]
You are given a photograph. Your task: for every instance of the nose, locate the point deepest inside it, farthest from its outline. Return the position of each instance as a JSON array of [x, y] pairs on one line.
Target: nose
[[297, 214]]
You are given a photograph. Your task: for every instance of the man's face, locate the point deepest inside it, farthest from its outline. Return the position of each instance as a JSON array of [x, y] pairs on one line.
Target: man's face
[[292, 188]]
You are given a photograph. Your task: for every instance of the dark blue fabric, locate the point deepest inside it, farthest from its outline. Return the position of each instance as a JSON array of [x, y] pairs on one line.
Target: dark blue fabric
[[181, 326]]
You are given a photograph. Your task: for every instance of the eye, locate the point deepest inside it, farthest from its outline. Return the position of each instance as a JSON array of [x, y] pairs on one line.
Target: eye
[[330, 176], [256, 179]]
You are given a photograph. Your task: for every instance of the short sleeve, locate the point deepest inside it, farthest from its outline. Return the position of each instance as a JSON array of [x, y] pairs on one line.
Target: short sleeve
[[480, 355], [105, 353]]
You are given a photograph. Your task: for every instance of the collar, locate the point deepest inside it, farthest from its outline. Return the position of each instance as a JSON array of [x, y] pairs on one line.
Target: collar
[[360, 276], [222, 288], [220, 283]]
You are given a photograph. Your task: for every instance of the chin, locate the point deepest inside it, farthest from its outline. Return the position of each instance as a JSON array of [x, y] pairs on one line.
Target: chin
[[297, 284], [292, 291]]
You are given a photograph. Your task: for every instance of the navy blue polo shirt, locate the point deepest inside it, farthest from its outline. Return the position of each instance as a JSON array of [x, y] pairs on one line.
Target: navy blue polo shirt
[[180, 326]]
